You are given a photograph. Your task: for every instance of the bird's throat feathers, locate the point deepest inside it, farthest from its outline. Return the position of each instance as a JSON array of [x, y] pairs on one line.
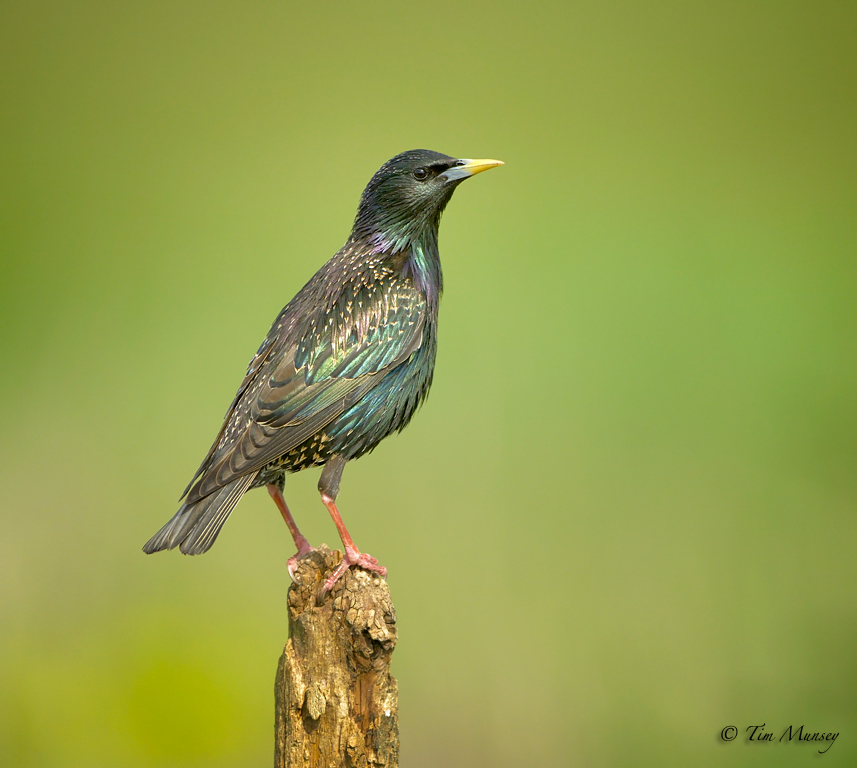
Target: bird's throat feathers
[[418, 258], [423, 266]]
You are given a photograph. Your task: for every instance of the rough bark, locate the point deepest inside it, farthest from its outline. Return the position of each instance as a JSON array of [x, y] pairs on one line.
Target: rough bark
[[336, 702]]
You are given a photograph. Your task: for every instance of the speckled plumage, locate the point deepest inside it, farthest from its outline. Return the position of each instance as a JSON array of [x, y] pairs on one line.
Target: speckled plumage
[[347, 361]]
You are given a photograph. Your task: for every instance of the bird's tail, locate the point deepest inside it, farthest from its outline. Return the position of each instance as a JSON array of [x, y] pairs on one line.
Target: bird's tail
[[195, 526]]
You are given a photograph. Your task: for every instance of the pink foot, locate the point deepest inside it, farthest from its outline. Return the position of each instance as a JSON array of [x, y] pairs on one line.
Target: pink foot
[[304, 548], [353, 557]]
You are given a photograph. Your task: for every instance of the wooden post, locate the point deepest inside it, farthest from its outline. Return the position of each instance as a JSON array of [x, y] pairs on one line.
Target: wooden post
[[336, 702]]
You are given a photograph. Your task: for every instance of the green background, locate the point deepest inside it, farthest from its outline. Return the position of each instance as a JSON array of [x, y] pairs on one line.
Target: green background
[[624, 518]]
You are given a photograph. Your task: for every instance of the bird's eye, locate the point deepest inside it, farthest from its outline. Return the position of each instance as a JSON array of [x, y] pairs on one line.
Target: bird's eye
[[421, 174]]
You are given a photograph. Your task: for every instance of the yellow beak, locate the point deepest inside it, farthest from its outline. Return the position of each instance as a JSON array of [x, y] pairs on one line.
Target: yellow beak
[[469, 168]]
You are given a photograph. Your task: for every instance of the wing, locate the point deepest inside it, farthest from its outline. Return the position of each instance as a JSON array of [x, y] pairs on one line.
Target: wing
[[281, 327], [306, 374]]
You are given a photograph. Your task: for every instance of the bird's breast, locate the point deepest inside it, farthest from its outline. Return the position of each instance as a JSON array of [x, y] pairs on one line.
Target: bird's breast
[[389, 406]]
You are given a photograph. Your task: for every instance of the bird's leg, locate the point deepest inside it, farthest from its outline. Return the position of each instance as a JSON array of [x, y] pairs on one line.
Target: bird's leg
[[328, 486], [352, 555], [301, 543]]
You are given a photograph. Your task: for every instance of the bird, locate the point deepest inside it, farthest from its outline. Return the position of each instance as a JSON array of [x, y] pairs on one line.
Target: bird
[[346, 363]]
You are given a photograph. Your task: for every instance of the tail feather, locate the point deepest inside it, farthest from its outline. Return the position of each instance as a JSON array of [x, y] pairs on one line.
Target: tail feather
[[195, 526]]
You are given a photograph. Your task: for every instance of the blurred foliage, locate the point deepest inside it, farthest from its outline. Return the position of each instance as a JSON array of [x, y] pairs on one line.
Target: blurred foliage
[[625, 517]]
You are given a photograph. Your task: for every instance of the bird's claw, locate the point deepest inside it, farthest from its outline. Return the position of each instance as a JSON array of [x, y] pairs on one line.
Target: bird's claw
[[304, 549], [371, 564], [353, 557]]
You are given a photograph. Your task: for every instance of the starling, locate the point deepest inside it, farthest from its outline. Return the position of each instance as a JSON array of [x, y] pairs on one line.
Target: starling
[[346, 363]]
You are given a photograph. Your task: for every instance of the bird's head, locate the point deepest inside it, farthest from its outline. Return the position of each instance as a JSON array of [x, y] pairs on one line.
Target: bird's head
[[405, 198]]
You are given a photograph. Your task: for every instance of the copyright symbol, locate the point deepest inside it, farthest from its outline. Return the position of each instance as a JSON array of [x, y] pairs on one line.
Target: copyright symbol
[[729, 733]]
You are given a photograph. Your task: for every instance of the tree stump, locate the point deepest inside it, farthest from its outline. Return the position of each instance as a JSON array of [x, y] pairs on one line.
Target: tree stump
[[336, 702]]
